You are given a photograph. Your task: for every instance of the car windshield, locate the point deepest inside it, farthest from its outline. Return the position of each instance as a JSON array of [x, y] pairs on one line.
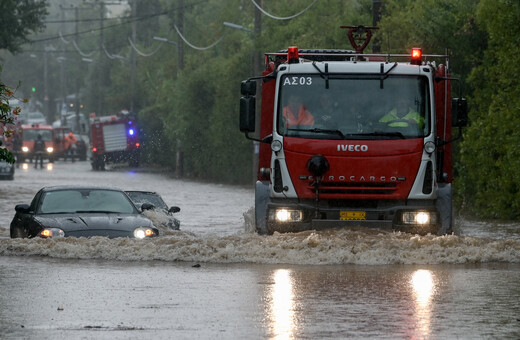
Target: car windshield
[[353, 107], [86, 200], [32, 134], [140, 197]]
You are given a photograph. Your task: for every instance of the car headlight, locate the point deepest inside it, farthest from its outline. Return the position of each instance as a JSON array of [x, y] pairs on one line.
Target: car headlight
[[284, 215], [50, 149], [419, 217], [143, 232], [51, 232], [25, 149]]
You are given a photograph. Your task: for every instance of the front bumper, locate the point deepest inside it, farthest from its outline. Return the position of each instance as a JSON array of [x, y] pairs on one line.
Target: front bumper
[[416, 219]]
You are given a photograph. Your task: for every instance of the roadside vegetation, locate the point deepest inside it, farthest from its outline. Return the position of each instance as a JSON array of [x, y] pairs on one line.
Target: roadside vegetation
[[186, 92]]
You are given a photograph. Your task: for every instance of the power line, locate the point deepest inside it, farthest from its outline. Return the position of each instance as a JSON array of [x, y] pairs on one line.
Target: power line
[[282, 18], [102, 28]]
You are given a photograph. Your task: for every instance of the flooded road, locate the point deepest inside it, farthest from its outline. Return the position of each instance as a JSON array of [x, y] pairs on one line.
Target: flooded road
[[217, 279]]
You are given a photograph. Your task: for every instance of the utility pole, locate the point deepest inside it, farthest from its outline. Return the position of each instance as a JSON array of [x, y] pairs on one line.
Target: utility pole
[[257, 69], [376, 16], [133, 57], [76, 83], [101, 61], [180, 44], [179, 160], [62, 70]]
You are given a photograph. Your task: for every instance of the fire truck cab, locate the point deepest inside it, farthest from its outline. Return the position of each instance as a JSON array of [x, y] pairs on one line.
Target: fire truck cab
[[352, 139], [29, 134]]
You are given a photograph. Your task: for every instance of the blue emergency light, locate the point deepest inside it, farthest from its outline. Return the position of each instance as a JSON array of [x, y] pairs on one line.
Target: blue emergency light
[[131, 132]]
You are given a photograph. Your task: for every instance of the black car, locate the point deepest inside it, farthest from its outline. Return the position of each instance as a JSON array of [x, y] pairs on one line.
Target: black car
[[149, 197], [63, 211], [6, 170]]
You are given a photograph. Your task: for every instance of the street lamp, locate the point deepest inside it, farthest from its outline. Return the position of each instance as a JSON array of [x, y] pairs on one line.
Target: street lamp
[[165, 40], [235, 26]]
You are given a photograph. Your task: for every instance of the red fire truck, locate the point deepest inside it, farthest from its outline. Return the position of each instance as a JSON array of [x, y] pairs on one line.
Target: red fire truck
[[337, 158], [29, 134], [114, 139]]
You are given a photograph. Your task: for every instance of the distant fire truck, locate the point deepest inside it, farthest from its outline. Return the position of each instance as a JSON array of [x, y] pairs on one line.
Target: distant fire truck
[[29, 133], [342, 156], [114, 139]]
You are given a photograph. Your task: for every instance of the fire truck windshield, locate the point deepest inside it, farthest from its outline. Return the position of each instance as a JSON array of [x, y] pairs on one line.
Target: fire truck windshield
[[353, 107], [32, 134]]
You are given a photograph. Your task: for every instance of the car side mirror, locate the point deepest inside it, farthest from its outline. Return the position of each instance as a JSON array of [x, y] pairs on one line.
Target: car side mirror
[[22, 208], [147, 206], [174, 209]]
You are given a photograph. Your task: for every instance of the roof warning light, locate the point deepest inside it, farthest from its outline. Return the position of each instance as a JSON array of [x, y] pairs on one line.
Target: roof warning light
[[416, 56]]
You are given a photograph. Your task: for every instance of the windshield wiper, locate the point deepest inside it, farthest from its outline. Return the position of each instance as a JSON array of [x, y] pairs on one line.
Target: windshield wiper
[[318, 130], [383, 134]]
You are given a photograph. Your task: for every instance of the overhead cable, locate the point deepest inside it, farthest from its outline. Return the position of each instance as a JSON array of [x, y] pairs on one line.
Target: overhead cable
[[193, 46], [141, 53], [112, 56], [282, 18], [86, 55]]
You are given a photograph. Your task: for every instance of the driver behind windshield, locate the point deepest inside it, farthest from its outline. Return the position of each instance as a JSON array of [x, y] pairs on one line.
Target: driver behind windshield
[[296, 114]]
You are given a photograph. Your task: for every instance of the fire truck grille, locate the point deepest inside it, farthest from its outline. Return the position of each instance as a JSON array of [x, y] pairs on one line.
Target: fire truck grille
[[356, 188]]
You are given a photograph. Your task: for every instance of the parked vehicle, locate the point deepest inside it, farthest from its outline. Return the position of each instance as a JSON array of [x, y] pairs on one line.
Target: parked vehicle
[[346, 163], [147, 197], [65, 211], [6, 170]]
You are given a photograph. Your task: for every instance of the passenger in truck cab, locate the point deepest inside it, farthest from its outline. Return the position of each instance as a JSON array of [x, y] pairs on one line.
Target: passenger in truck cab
[[296, 114], [403, 115]]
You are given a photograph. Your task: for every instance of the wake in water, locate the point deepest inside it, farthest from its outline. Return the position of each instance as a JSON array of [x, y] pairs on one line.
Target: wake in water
[[338, 246]]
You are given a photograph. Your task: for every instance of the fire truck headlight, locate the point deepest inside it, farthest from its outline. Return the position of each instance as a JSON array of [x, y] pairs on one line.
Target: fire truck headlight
[[25, 149], [50, 149], [429, 147], [276, 145], [284, 215], [419, 217]]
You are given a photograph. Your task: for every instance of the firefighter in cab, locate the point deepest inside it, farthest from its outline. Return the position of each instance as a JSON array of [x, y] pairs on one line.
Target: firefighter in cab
[[70, 146]]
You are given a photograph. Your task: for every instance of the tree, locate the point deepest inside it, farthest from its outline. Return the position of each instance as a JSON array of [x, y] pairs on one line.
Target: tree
[[20, 18], [7, 119], [490, 153]]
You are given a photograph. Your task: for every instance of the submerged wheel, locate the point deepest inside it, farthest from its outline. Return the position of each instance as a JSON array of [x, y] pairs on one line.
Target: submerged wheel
[[17, 233]]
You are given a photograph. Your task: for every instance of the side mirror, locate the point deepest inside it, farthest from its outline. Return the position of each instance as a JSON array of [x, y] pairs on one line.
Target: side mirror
[[22, 208], [174, 209], [459, 112], [247, 114], [248, 88], [147, 206]]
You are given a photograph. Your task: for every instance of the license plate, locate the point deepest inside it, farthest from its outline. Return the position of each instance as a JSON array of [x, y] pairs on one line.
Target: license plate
[[352, 215]]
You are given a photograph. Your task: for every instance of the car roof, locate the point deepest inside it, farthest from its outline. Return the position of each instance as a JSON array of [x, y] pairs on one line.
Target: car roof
[[78, 187]]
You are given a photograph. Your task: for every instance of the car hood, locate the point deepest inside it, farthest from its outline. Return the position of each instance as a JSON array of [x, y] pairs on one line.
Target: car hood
[[95, 224]]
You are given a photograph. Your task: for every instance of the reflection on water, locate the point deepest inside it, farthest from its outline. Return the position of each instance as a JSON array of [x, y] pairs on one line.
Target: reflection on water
[[282, 305], [48, 166], [423, 288]]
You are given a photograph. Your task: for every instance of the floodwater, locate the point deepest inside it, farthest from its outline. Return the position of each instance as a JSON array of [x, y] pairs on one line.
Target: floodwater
[[215, 278]]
